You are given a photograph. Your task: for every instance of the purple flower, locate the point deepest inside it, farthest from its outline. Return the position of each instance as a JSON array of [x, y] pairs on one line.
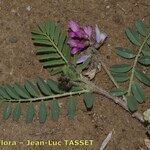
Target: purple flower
[[100, 36], [82, 59], [88, 30], [74, 50], [74, 26], [79, 37]]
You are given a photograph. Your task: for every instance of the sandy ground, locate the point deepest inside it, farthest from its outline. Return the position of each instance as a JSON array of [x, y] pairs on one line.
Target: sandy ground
[[18, 62]]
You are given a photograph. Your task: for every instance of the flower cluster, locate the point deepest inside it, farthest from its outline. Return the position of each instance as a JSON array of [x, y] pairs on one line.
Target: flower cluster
[[81, 38], [78, 37]]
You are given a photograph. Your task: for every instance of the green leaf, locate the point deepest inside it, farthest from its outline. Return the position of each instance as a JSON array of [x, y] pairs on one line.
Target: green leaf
[[70, 72], [53, 86], [38, 37], [42, 42], [49, 56], [88, 99], [42, 112], [56, 51], [118, 92], [120, 77], [141, 28], [148, 42], [133, 37], [71, 107], [56, 70], [84, 65], [32, 89], [30, 112], [3, 93], [53, 63], [145, 60], [7, 111], [17, 112], [76, 88], [57, 35], [66, 51], [21, 91], [138, 92], [124, 52], [121, 68], [55, 110], [10, 90], [46, 50], [142, 77], [43, 86], [146, 51], [132, 103]]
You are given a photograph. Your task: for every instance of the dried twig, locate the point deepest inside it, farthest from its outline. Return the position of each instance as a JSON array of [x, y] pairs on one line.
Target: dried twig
[[106, 141]]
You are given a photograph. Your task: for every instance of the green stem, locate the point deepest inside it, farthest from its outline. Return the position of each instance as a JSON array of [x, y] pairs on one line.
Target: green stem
[[135, 63], [108, 72], [49, 97]]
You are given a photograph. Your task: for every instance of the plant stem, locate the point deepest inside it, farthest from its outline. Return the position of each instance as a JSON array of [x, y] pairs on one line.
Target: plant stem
[[50, 97], [108, 72], [135, 63], [119, 101]]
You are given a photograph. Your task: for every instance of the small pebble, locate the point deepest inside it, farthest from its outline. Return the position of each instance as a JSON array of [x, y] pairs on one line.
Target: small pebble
[[28, 8], [13, 39], [107, 7]]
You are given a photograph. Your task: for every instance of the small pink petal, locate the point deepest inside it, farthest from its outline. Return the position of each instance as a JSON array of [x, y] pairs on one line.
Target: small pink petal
[[72, 34], [76, 43], [74, 50], [73, 43], [88, 30], [100, 36], [82, 59], [74, 26]]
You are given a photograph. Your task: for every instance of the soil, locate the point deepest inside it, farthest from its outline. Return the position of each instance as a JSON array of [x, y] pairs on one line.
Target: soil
[[18, 62]]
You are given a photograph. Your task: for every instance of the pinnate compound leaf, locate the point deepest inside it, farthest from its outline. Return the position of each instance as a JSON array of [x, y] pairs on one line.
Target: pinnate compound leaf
[[138, 92], [133, 36], [55, 110], [54, 50], [88, 99], [42, 112], [118, 92], [145, 60], [71, 107], [7, 111], [30, 113], [132, 103], [142, 77], [121, 68], [17, 112], [141, 27], [125, 53]]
